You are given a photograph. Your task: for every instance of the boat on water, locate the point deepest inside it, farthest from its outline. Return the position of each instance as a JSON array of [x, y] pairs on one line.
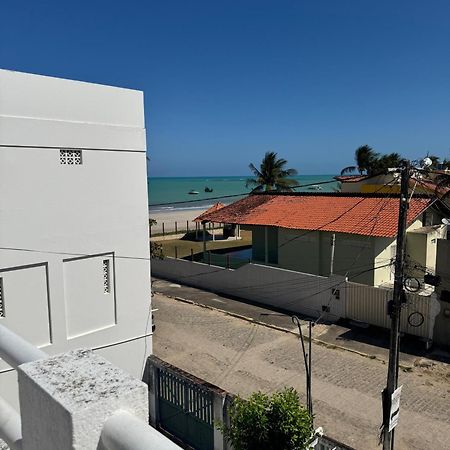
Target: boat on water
[[315, 187], [208, 189], [192, 192]]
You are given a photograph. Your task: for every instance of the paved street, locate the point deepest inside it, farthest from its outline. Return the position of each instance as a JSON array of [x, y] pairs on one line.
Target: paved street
[[241, 357]]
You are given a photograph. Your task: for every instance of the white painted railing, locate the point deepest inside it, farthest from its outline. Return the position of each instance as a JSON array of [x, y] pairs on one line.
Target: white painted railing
[[16, 350], [10, 426], [74, 400], [123, 431]]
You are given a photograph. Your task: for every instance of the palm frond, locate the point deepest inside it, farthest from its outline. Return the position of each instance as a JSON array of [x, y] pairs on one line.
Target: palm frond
[[349, 169]]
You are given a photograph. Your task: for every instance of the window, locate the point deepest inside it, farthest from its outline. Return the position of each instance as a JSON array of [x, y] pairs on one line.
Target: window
[[2, 299], [106, 277], [70, 157]]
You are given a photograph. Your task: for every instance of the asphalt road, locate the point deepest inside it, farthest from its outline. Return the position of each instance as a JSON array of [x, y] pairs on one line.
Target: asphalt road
[[243, 357]]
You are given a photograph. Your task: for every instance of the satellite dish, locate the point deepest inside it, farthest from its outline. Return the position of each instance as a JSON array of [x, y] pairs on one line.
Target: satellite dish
[[427, 162], [445, 221]]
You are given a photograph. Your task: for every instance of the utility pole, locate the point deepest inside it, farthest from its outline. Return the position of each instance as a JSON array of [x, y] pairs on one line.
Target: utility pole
[[395, 310], [307, 361]]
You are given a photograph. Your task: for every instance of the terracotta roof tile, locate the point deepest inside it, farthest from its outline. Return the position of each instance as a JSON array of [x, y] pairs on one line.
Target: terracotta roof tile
[[363, 215], [351, 178], [213, 208]]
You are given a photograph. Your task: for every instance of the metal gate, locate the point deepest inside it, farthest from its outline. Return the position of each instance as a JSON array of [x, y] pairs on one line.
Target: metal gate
[[185, 410]]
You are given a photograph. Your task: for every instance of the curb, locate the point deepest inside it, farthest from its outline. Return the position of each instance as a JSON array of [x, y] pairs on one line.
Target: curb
[[404, 367]]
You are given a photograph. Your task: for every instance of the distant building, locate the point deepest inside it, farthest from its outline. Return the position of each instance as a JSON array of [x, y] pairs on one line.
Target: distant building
[[352, 235], [74, 251]]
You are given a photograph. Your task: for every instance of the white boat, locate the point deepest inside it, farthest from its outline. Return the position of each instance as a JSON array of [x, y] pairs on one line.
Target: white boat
[[192, 192], [315, 187]]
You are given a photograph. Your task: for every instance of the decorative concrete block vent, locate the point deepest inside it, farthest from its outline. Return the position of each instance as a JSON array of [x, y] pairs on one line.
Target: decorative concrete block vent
[[66, 399]]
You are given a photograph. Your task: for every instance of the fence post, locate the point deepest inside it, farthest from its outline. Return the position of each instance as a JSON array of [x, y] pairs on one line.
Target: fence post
[[150, 378], [219, 406], [187, 226], [176, 252], [163, 228], [176, 227]]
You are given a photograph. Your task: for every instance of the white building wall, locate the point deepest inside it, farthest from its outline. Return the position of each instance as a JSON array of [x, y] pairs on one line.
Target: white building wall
[[59, 222]]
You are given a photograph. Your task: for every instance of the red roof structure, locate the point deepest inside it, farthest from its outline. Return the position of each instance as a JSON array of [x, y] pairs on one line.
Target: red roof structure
[[366, 215], [213, 208], [351, 178]]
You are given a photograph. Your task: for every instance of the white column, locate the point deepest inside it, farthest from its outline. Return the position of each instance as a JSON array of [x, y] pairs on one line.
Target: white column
[[218, 404], [65, 400], [10, 426]]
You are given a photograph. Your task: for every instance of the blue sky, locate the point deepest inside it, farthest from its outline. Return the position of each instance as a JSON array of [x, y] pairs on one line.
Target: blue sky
[[226, 81]]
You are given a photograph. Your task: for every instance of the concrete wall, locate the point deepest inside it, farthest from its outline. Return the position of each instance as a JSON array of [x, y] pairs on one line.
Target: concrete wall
[[59, 222], [442, 328], [369, 304], [280, 288]]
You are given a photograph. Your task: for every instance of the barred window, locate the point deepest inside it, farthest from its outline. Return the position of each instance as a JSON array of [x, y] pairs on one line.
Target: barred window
[[106, 277], [2, 299], [70, 157]]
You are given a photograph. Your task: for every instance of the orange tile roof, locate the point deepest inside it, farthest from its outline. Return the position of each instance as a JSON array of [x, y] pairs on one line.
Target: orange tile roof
[[356, 214], [213, 208], [351, 178]]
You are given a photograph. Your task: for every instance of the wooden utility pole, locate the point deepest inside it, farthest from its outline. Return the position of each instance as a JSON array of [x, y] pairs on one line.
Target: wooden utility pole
[[395, 311]]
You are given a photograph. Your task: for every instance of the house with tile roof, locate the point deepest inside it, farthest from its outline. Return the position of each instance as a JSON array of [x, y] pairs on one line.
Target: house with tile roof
[[349, 234]]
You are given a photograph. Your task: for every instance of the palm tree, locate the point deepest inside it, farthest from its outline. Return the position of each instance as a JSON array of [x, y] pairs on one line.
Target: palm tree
[[272, 175], [385, 162], [369, 162], [365, 157]]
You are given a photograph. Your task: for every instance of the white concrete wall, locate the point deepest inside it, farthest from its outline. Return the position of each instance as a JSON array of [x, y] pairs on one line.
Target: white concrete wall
[[281, 288], [51, 213]]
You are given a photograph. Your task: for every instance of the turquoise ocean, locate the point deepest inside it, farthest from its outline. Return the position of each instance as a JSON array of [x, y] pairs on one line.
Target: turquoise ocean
[[167, 193]]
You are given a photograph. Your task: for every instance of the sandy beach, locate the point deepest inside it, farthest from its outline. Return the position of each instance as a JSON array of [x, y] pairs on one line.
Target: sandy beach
[[170, 217]]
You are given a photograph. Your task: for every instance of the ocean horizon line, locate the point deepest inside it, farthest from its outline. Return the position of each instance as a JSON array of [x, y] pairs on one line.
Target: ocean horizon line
[[234, 176]]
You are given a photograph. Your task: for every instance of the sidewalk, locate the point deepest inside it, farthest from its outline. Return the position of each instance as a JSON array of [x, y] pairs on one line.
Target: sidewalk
[[371, 342]]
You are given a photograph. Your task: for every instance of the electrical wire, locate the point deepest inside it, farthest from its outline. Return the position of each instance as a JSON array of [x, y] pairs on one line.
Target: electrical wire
[[336, 218], [238, 195], [333, 297], [254, 192], [236, 359], [72, 254]]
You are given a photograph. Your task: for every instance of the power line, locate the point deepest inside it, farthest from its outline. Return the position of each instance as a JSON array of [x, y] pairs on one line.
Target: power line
[[366, 177], [81, 255], [237, 195], [336, 218]]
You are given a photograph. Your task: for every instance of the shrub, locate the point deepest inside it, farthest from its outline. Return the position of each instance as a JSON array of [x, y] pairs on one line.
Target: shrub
[[156, 250], [278, 422]]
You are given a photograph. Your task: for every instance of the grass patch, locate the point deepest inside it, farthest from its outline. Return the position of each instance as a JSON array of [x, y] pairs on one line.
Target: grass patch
[[184, 245]]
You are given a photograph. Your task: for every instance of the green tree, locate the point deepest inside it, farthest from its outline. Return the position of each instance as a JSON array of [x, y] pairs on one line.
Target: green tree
[[369, 162], [156, 249], [278, 422], [272, 175], [365, 157]]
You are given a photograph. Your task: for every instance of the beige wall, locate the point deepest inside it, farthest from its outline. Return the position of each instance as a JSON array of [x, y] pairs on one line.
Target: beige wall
[[310, 252], [383, 251]]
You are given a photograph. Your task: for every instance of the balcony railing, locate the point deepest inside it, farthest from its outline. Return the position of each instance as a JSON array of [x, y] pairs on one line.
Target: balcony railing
[[74, 400]]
